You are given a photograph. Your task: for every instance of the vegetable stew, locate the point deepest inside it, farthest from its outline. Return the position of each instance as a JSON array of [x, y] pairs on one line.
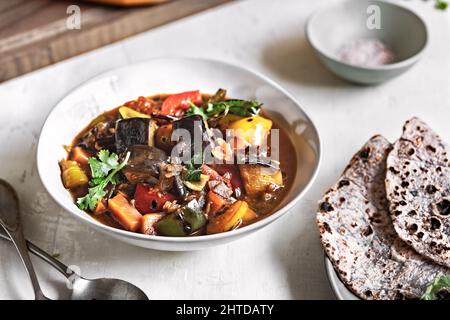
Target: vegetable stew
[[180, 165]]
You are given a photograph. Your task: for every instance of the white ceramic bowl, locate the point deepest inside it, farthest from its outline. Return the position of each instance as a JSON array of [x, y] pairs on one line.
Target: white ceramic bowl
[[172, 75], [330, 28]]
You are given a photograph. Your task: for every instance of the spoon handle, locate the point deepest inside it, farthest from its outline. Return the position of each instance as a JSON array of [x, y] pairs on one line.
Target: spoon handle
[[58, 265], [19, 241]]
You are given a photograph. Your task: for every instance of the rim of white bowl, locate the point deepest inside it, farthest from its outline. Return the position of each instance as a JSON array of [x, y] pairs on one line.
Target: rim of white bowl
[[254, 226], [399, 64]]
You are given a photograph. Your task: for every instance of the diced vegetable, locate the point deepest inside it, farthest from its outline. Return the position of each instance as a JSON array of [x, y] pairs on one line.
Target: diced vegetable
[[176, 104], [216, 203], [229, 219], [197, 185], [125, 213], [231, 172], [149, 221], [258, 178], [80, 155], [150, 200], [254, 130], [196, 128], [72, 174], [180, 188], [132, 131], [126, 113], [249, 215], [182, 222], [214, 175], [144, 164], [163, 137], [100, 208]]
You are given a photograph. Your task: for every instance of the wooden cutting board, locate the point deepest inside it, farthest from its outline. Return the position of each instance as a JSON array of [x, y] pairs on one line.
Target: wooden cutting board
[[35, 33]]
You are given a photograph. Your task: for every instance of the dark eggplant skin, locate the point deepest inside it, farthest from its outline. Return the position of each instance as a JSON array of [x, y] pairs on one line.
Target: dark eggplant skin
[[196, 127], [180, 188], [144, 164], [132, 131]]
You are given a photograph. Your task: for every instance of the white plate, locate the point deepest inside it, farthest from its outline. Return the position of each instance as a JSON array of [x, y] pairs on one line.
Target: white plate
[[172, 75], [340, 290]]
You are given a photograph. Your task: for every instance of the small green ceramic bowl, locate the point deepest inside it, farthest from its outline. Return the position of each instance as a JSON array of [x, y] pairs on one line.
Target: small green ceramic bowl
[[400, 29]]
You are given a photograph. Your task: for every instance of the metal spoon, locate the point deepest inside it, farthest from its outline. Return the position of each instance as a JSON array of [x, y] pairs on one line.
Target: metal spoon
[[10, 221], [82, 289]]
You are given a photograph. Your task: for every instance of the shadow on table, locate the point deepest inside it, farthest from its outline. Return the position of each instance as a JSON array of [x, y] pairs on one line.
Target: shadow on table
[[294, 60], [303, 263]]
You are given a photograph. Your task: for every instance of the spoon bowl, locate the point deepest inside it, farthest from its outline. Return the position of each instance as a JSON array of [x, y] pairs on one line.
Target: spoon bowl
[[105, 289], [82, 288]]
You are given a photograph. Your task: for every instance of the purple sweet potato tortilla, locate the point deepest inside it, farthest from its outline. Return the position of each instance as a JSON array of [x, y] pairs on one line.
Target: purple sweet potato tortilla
[[358, 236], [418, 190]]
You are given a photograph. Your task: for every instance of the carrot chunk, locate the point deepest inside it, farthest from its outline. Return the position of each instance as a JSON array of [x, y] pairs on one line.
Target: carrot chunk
[[80, 155], [216, 203], [125, 213]]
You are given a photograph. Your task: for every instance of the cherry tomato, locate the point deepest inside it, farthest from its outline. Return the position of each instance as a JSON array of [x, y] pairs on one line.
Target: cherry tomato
[[177, 103], [150, 200]]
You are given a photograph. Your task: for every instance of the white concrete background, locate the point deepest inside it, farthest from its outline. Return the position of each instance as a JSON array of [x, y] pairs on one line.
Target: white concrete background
[[283, 261]]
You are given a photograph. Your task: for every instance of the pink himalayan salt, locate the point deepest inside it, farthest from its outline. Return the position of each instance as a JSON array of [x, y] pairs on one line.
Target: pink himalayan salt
[[366, 52]]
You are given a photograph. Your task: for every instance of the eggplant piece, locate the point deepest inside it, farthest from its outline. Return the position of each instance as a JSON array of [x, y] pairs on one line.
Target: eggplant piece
[[180, 188], [134, 131], [196, 128], [144, 164]]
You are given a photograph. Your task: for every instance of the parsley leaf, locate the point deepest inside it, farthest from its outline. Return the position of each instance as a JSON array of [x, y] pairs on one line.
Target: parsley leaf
[[438, 284], [193, 175], [104, 171], [194, 110], [193, 171], [243, 108], [105, 163]]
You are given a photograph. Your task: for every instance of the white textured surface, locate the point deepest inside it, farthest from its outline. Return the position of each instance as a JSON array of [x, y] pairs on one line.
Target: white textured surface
[[283, 261]]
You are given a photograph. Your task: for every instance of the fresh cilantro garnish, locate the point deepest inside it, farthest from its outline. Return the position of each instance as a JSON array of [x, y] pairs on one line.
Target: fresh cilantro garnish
[[104, 171], [193, 171], [243, 108], [106, 162], [441, 4], [194, 110], [192, 174], [438, 284]]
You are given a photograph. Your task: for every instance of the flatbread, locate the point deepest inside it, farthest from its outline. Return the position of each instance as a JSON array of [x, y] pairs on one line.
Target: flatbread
[[418, 189], [358, 235]]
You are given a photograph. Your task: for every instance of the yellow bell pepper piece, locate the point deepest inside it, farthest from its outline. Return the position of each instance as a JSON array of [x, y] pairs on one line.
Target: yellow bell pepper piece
[[126, 113], [254, 129], [249, 216], [229, 219], [197, 185]]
